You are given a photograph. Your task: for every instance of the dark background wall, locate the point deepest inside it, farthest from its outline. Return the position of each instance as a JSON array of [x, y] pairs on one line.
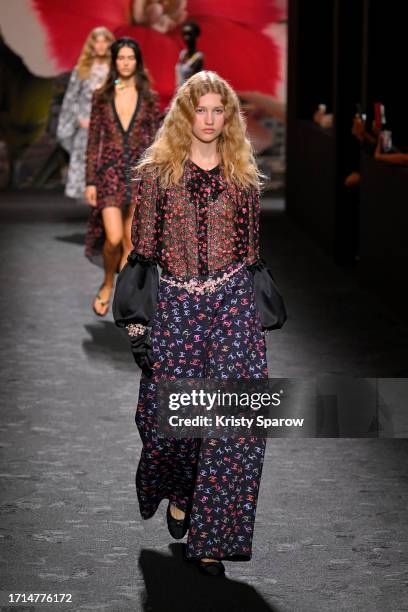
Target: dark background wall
[[341, 53]]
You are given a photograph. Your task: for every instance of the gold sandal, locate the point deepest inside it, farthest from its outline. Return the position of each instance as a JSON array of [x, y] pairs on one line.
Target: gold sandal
[[102, 303]]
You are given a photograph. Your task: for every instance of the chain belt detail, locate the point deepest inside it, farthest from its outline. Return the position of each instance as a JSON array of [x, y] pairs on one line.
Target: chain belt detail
[[209, 285]]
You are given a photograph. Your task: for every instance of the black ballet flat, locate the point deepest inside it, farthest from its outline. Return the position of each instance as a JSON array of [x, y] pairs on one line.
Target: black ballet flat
[[177, 527], [211, 568]]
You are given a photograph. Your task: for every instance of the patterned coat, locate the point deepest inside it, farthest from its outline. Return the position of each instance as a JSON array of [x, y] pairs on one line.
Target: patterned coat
[[76, 106]]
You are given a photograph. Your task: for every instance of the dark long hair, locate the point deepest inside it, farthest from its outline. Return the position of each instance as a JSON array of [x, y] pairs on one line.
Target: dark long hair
[[142, 78]]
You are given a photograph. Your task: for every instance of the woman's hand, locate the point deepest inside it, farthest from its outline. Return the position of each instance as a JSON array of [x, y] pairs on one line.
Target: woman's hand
[[358, 130], [141, 347], [90, 195], [84, 123]]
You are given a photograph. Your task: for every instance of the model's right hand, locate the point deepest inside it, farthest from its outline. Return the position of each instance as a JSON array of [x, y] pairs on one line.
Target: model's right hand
[[90, 195]]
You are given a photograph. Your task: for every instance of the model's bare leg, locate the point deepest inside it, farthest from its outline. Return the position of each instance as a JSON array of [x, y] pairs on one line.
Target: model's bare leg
[[127, 229], [112, 252]]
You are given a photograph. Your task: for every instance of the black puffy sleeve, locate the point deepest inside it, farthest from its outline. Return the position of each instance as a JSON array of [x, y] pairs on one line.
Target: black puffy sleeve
[[137, 284], [136, 290], [268, 298]]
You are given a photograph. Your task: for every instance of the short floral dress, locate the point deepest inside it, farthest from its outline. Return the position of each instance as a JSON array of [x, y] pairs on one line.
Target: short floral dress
[[112, 153]]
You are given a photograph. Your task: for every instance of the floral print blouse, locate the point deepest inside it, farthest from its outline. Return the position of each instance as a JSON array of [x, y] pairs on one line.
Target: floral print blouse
[[197, 227]]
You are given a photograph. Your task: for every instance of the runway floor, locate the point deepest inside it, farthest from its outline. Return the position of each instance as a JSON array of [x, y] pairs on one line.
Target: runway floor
[[331, 531]]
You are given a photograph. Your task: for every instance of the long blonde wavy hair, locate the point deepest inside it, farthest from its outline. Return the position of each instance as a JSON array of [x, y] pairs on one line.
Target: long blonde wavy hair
[[172, 145], [87, 55]]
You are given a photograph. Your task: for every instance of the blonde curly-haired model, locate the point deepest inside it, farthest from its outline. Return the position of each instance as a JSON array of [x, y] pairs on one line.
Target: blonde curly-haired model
[[197, 218], [172, 146], [73, 123], [88, 53]]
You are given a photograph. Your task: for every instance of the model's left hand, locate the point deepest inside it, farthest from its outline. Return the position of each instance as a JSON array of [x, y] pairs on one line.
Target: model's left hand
[[142, 352], [90, 195]]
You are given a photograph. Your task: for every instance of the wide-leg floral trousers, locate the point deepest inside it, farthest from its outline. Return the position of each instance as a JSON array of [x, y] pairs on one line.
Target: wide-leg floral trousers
[[215, 480]]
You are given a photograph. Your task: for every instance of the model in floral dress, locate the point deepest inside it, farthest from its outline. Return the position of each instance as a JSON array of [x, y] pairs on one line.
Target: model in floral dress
[[124, 120], [73, 122], [197, 217]]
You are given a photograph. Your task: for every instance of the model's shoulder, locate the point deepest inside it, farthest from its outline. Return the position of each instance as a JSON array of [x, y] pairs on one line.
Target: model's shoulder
[[246, 189], [148, 175]]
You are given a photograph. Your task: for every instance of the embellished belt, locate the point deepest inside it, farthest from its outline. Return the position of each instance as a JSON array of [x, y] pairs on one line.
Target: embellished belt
[[209, 285]]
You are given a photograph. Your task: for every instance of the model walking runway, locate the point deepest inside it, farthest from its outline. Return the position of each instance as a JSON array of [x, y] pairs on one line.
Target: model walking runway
[[200, 223]]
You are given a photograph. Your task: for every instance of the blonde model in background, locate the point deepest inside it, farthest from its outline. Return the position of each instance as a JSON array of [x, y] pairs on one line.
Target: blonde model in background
[[72, 132]]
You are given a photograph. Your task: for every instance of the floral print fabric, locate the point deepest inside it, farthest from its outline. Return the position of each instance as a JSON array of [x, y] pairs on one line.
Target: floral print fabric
[[216, 480], [198, 227], [74, 138], [112, 153]]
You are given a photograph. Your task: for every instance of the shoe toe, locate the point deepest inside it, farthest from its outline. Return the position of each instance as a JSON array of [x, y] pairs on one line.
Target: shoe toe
[[211, 568]]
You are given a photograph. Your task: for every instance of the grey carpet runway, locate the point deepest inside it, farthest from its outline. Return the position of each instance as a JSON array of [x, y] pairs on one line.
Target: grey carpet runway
[[331, 531]]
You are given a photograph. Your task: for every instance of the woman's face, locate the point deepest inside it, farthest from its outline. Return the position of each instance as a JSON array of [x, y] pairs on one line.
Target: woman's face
[[126, 62], [101, 45], [209, 118]]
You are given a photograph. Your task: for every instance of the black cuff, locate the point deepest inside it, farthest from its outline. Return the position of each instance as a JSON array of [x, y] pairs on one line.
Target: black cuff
[[134, 258]]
